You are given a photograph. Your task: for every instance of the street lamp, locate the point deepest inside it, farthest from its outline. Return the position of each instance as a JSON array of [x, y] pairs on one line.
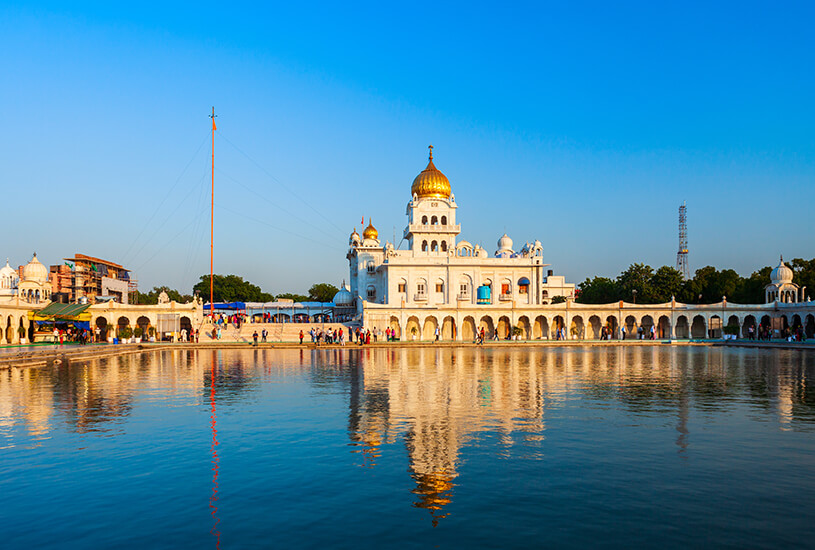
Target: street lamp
[[634, 293]]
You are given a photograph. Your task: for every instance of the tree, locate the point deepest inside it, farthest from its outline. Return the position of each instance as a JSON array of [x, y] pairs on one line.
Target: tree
[[600, 290], [558, 299], [637, 277], [322, 292], [665, 283], [231, 288]]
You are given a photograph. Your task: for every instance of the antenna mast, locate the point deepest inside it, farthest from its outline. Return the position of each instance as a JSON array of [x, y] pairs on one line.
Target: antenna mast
[[212, 226], [682, 256]]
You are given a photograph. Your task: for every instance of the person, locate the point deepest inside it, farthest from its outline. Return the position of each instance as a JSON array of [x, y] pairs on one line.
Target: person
[[622, 332], [255, 338], [301, 336], [264, 334], [196, 336], [653, 332], [183, 335], [437, 334], [374, 335]]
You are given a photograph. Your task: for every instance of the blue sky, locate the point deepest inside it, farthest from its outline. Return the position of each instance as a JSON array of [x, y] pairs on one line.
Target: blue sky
[[584, 125]]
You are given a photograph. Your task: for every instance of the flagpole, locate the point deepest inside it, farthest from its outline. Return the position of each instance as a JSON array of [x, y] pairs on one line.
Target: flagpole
[[212, 227]]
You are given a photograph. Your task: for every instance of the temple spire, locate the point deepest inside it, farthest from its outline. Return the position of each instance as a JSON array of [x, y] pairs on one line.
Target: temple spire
[[431, 151]]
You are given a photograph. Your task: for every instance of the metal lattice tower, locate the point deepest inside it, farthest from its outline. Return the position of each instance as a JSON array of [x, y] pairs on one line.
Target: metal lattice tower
[[682, 256]]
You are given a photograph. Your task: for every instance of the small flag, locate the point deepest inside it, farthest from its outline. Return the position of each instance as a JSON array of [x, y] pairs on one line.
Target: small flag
[[213, 125], [363, 220]]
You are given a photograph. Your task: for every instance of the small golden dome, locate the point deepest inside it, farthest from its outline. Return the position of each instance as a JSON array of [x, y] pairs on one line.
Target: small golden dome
[[370, 231], [431, 182]]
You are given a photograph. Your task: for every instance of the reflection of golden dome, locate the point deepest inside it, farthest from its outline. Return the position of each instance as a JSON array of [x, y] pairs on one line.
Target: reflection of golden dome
[[431, 182], [434, 492], [370, 231]]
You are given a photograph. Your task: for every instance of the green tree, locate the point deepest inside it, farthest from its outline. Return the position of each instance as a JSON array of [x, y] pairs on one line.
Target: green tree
[[637, 277], [231, 288], [804, 274], [322, 292], [558, 299], [665, 283], [600, 290]]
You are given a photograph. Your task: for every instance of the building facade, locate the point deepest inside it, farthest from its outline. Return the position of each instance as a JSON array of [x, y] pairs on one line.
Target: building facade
[[444, 287]]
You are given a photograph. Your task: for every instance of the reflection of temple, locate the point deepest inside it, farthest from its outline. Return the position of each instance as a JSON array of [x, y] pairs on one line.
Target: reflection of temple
[[439, 400]]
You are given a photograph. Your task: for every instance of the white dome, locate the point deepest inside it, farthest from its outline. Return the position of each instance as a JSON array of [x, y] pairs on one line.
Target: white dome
[[354, 238], [8, 280], [504, 246], [8, 271], [343, 298], [781, 274], [35, 271]]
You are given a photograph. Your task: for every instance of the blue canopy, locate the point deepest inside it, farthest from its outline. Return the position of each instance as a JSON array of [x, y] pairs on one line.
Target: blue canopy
[[233, 306]]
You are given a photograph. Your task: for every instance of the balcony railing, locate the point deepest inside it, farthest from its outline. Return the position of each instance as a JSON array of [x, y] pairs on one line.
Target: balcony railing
[[420, 297], [505, 297], [464, 296], [428, 228]]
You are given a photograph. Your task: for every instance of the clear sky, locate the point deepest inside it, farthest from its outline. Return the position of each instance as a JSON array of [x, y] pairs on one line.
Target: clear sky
[[584, 125]]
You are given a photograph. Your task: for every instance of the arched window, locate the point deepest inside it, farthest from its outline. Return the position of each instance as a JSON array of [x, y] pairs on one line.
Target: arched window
[[434, 246], [371, 267], [424, 220], [371, 292], [434, 220], [444, 246], [424, 246], [444, 220], [523, 285]]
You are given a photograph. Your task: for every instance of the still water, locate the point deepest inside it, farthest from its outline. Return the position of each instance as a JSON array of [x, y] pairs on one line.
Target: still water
[[389, 448]]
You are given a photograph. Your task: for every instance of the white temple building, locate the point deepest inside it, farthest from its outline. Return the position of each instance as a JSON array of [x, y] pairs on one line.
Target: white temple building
[[438, 270]]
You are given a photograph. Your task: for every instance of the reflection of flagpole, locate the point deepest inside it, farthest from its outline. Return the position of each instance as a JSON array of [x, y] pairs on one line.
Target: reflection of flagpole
[[213, 499]]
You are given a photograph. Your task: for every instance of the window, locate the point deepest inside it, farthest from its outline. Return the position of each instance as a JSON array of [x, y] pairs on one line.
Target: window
[[444, 246], [424, 220], [545, 293], [504, 288], [444, 220], [402, 287], [421, 289], [371, 267], [434, 220], [465, 289], [439, 287], [424, 246], [371, 293], [522, 289], [434, 246]]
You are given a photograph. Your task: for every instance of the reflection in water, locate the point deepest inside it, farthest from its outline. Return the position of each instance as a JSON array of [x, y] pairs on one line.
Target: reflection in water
[[432, 404], [213, 499], [439, 400]]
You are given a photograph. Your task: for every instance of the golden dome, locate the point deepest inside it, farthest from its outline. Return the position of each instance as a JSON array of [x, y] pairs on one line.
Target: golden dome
[[431, 182], [370, 231]]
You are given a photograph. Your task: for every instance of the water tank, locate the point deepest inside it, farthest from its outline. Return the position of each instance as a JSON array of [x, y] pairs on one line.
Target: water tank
[[483, 294]]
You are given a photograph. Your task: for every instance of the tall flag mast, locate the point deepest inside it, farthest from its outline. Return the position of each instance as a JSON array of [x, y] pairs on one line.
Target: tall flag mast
[[212, 225], [682, 256]]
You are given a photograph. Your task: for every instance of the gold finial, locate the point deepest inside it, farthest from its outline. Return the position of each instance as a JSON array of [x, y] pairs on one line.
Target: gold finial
[[431, 151]]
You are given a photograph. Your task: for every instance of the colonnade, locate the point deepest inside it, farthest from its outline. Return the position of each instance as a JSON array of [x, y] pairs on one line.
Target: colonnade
[[585, 323]]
